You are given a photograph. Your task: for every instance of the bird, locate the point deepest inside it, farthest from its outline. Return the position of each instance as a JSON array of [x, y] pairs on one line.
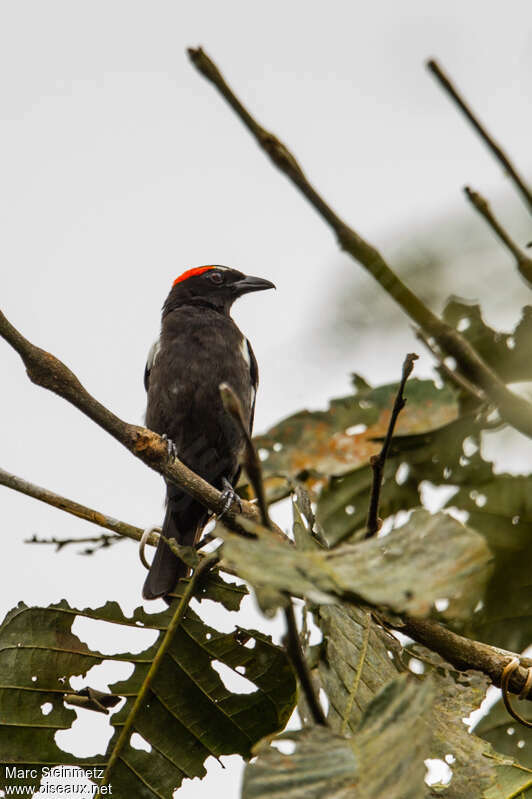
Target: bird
[[199, 348]]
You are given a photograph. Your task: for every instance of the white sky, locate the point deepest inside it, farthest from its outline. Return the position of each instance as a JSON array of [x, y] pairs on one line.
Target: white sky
[[121, 167]]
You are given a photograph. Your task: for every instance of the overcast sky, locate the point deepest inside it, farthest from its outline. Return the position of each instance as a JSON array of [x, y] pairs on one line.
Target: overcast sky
[[121, 167]]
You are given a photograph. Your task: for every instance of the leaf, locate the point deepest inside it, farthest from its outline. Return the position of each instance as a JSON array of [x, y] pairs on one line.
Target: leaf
[[337, 440], [510, 354], [322, 765], [383, 759], [456, 697], [505, 734], [358, 659], [501, 509], [393, 740], [429, 558], [189, 715]]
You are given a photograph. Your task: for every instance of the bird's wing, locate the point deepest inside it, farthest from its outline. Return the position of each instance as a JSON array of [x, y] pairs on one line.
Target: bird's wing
[[152, 355], [254, 373]]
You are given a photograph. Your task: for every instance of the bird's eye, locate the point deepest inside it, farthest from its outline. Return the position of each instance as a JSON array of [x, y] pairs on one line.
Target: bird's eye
[[216, 277]]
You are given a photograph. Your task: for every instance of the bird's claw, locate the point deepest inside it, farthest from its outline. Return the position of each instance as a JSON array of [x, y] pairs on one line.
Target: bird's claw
[[170, 447], [229, 496]]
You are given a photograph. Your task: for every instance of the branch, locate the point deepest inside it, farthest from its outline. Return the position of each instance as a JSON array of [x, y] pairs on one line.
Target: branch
[[523, 261], [514, 409], [378, 461], [49, 372], [492, 145], [69, 506], [454, 377], [464, 653], [293, 642]]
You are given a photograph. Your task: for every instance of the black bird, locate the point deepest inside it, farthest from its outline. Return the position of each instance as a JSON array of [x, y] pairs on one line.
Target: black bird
[[200, 347]]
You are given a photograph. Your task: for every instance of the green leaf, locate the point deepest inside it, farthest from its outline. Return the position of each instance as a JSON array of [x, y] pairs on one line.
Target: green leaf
[[505, 734], [429, 558], [189, 713], [383, 759], [358, 658], [501, 509], [510, 354], [393, 740]]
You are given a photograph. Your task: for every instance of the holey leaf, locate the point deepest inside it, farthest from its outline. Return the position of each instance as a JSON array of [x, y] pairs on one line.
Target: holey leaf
[[188, 713], [431, 557], [383, 760], [337, 440]]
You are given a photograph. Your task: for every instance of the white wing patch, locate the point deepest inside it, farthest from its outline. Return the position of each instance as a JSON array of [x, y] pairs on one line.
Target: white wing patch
[[152, 354], [244, 349]]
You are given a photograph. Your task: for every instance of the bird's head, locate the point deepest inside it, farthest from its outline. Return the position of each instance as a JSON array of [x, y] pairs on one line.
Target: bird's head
[[214, 286]]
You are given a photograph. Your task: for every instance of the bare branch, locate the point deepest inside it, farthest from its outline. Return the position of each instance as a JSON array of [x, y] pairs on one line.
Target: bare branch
[[523, 261], [492, 145], [378, 461], [453, 376], [514, 409], [49, 372], [69, 506], [464, 653]]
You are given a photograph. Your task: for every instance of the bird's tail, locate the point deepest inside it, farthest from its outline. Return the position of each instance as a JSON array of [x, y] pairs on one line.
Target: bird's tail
[[166, 568]]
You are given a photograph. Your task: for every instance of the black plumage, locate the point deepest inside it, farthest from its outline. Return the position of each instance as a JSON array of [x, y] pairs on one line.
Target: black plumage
[[199, 348]]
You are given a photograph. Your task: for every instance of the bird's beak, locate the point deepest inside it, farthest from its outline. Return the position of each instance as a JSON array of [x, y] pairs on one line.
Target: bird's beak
[[250, 283]]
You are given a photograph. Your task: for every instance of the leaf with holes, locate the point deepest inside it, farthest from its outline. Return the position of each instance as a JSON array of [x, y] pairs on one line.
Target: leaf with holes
[[384, 758], [501, 509], [429, 558], [510, 354], [505, 734], [189, 713], [332, 442]]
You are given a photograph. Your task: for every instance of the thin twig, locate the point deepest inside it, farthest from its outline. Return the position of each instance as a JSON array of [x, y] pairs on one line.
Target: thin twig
[[69, 506], [205, 564], [378, 461], [101, 542], [514, 409], [455, 377], [293, 648], [496, 150], [253, 467], [523, 261]]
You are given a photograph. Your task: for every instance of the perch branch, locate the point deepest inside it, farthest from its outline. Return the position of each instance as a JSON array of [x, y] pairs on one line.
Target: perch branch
[[523, 261], [378, 461], [47, 371], [251, 462], [514, 409], [492, 145]]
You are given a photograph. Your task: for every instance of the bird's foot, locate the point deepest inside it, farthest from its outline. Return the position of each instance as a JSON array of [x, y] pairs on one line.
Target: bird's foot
[[170, 446], [229, 497]]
